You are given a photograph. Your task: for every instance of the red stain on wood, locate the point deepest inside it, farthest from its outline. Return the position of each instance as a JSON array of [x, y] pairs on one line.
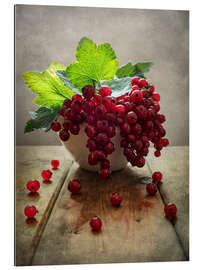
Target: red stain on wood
[[145, 205]]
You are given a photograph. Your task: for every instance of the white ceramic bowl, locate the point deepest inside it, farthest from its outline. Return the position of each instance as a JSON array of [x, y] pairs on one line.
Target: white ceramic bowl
[[76, 145]]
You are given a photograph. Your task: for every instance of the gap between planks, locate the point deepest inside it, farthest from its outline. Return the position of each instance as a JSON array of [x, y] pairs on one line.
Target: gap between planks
[[48, 211], [164, 202]]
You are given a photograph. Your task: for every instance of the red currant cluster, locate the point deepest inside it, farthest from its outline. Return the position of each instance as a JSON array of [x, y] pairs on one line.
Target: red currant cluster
[[136, 114]]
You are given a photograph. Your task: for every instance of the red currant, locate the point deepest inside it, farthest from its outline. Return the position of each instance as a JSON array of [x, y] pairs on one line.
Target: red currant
[[55, 164], [151, 188], [105, 91], [56, 126], [116, 199], [74, 186], [46, 175], [170, 211], [157, 177], [30, 211], [33, 186], [96, 224]]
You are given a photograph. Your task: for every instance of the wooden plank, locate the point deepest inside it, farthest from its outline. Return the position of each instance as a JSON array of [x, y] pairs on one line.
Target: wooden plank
[[135, 232], [30, 161], [174, 164]]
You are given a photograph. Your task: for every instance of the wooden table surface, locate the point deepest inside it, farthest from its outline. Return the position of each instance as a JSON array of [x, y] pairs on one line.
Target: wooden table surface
[[137, 231]]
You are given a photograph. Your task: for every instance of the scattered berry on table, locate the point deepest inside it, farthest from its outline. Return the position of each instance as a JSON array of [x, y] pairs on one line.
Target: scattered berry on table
[[74, 186], [96, 224], [33, 185], [46, 175], [30, 211], [151, 188], [157, 177], [55, 164], [170, 211], [116, 199]]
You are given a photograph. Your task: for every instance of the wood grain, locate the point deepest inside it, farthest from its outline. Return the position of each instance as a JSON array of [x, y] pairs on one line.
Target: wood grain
[[174, 164], [30, 161], [135, 232]]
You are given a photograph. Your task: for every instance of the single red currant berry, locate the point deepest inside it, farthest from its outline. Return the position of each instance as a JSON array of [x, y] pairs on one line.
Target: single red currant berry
[[120, 110], [33, 186], [75, 129], [67, 103], [161, 118], [128, 106], [131, 117], [104, 173], [97, 99], [64, 135], [156, 97], [157, 153], [30, 211], [100, 111], [126, 128], [151, 88], [134, 89], [90, 131], [156, 106], [55, 164], [102, 125], [165, 142], [96, 224], [99, 155], [116, 199], [159, 146], [77, 97], [56, 126], [142, 83], [109, 148], [75, 106], [111, 131], [88, 106], [136, 96], [105, 164], [170, 211], [151, 189], [91, 159], [46, 175], [62, 111], [135, 81], [138, 145], [88, 91], [162, 132], [150, 114], [74, 186], [141, 112], [91, 144], [124, 143], [110, 117], [137, 129], [105, 91], [140, 162], [157, 177], [67, 124], [102, 139], [130, 138], [119, 121]]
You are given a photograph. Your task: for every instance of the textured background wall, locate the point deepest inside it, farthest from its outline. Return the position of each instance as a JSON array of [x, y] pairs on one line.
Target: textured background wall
[[45, 34]]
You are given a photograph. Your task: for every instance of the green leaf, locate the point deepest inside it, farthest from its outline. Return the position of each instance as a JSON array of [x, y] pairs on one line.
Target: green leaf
[[130, 70], [120, 86], [50, 88], [62, 75], [41, 119], [94, 63]]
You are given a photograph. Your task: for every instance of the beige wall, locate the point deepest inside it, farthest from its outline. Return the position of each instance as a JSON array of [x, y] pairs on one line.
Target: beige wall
[[45, 34]]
